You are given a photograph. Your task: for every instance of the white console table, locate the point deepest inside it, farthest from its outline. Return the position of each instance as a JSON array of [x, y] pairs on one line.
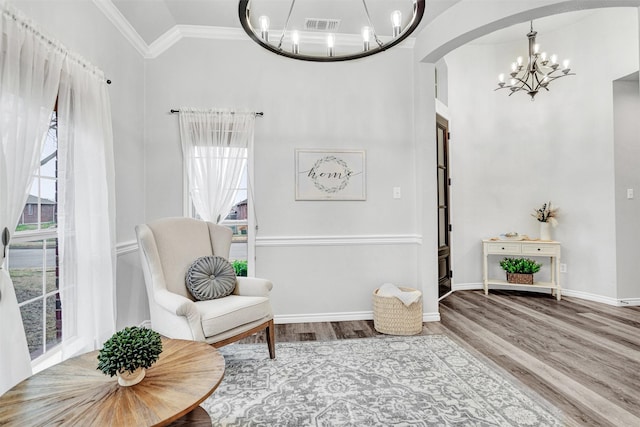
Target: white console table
[[524, 249]]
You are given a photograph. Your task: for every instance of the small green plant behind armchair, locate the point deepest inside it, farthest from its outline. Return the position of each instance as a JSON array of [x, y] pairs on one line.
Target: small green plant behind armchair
[[240, 266], [129, 349], [520, 265]]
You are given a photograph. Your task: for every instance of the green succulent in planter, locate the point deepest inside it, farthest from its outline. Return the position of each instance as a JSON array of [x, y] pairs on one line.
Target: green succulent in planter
[[129, 349], [520, 265]]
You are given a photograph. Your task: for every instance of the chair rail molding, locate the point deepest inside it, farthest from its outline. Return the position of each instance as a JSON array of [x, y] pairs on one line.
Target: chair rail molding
[[127, 247], [359, 240]]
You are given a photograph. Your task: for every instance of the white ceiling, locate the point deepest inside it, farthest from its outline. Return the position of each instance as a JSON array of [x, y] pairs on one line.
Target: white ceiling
[[542, 26], [153, 18]]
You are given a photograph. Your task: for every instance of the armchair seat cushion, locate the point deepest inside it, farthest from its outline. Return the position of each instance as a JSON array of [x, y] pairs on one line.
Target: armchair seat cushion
[[220, 315]]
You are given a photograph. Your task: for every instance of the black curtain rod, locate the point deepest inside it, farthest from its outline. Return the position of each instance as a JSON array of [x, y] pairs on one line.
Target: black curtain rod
[[257, 114]]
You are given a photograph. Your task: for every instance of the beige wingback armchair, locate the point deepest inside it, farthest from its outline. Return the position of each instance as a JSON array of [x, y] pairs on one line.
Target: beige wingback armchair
[[167, 249]]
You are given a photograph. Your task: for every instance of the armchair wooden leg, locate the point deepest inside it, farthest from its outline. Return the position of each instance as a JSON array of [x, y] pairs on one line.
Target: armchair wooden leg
[[271, 339]]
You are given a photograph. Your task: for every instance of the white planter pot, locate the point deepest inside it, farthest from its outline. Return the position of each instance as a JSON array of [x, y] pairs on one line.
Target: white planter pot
[[127, 378]]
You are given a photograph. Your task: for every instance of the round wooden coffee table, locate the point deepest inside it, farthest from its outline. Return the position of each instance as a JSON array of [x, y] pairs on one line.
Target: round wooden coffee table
[[75, 392]]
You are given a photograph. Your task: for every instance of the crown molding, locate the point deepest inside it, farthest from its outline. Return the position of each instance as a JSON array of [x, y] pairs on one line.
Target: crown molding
[[178, 32], [115, 16]]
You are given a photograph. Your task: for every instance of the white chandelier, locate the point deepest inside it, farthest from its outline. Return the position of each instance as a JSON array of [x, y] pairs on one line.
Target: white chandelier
[[537, 74], [353, 29]]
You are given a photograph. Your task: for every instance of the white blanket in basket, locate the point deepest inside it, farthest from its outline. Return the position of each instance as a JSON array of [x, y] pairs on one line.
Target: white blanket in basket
[[391, 290]]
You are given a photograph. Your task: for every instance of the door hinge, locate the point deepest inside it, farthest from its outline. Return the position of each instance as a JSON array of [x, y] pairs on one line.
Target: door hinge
[[448, 135], [450, 274], [450, 227], [449, 181]]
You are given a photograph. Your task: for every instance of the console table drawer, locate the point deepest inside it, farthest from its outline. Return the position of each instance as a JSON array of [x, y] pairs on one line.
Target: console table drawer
[[540, 250], [503, 248]]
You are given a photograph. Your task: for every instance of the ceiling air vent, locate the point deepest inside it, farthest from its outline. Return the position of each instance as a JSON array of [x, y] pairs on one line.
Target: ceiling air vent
[[317, 24]]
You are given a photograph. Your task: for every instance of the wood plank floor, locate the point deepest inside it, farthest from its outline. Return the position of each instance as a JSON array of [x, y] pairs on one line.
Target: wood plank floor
[[583, 357]]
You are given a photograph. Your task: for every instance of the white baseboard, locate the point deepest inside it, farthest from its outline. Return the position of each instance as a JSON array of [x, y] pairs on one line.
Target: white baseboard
[[565, 292], [339, 317], [466, 286], [625, 302]]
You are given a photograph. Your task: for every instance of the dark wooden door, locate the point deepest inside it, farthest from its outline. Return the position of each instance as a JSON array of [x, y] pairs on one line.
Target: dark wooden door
[[444, 226]]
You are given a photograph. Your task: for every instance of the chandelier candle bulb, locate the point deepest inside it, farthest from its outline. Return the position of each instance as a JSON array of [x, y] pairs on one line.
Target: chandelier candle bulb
[[295, 42], [543, 56], [366, 36], [264, 27], [330, 44], [396, 21]]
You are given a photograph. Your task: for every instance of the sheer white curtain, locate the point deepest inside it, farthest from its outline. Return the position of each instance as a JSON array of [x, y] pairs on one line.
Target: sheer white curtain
[[29, 75], [86, 212], [215, 144], [34, 69]]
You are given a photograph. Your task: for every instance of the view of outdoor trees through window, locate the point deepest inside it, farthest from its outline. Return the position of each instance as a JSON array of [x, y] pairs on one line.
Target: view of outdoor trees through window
[[33, 255]]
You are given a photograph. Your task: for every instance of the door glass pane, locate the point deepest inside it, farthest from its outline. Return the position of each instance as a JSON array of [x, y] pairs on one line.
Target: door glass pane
[[32, 321], [442, 188], [440, 146], [25, 268], [51, 265], [54, 321], [442, 220]]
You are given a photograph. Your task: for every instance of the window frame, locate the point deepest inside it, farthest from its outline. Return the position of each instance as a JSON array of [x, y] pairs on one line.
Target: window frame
[[42, 235], [189, 209]]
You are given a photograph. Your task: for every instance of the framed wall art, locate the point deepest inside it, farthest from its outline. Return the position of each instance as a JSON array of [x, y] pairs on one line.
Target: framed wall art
[[330, 174]]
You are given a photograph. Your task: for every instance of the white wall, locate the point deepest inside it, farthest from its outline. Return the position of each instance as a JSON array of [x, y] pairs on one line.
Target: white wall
[[365, 104], [509, 155], [626, 111], [82, 28]]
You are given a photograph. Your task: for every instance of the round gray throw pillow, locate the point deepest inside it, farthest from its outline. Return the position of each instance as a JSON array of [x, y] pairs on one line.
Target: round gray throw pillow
[[210, 277]]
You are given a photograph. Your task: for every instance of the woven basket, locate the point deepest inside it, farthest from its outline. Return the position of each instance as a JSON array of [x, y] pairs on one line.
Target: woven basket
[[520, 278], [391, 316]]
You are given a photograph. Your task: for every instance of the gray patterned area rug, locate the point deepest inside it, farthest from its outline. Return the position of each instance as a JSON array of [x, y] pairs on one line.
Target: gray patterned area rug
[[383, 381]]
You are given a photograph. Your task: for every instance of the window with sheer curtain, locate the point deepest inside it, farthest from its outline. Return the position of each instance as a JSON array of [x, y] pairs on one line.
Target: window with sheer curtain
[[69, 291], [32, 258], [216, 146]]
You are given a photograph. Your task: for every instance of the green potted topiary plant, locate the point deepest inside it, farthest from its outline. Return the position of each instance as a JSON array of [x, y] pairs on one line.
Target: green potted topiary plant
[[520, 270], [128, 353]]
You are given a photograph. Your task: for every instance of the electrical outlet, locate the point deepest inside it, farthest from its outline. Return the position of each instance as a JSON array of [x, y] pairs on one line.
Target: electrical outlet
[[629, 193], [397, 193], [563, 268]]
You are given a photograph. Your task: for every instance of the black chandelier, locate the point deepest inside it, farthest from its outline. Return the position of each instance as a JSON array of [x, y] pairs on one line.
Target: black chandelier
[[537, 74], [295, 31]]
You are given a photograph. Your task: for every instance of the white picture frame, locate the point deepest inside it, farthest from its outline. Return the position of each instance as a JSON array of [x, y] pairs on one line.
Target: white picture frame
[[330, 174]]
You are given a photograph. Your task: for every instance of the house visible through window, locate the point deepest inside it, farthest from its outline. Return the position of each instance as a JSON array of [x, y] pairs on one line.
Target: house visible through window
[[33, 255]]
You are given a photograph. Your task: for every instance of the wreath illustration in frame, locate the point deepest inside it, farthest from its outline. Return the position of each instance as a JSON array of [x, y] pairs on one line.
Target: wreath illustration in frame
[[330, 175]]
